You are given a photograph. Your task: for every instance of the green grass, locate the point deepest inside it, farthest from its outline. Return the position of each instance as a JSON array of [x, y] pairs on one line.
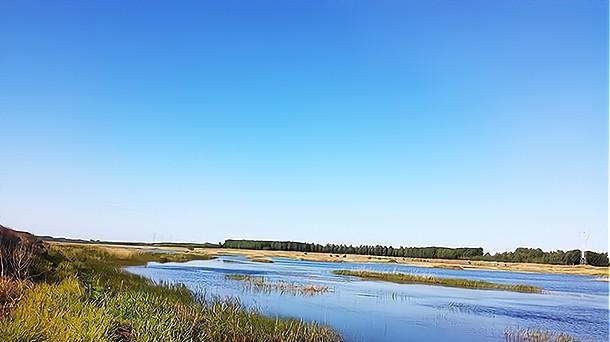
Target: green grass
[[405, 278], [87, 297]]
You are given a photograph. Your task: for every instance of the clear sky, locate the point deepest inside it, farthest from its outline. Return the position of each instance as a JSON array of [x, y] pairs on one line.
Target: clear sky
[[476, 123]]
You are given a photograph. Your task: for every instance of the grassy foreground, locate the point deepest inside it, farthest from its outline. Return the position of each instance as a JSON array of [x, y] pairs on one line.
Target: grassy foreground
[[405, 278], [85, 296]]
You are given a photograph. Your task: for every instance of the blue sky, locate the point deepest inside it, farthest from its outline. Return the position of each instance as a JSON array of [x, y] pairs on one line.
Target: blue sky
[[477, 123]]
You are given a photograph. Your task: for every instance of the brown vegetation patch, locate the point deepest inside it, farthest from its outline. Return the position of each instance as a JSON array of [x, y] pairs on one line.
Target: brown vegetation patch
[[536, 335]]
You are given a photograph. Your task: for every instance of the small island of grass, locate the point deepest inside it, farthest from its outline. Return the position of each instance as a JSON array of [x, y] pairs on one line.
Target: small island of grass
[[404, 278], [261, 259], [537, 335]]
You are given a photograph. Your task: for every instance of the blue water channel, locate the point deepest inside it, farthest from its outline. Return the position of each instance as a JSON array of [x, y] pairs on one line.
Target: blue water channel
[[383, 311]]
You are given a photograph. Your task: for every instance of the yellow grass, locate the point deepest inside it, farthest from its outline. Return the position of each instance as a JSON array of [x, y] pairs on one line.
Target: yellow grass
[[260, 258], [435, 263]]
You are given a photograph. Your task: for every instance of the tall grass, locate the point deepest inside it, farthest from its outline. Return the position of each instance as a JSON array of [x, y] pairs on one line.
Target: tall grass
[[88, 297], [58, 312], [405, 278], [11, 292]]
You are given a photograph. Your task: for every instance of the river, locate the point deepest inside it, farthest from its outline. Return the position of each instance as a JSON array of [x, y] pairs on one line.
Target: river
[[382, 311]]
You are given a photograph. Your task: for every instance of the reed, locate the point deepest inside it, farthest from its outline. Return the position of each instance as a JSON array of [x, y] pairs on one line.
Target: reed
[[261, 284], [536, 335], [404, 278], [88, 297]]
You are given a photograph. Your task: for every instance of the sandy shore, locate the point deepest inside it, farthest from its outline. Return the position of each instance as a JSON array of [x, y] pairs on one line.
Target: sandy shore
[[602, 272], [434, 263]]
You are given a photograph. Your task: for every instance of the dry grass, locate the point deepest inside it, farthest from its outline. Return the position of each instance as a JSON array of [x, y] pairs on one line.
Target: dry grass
[[536, 335], [11, 292], [438, 263], [261, 284], [326, 257], [260, 259], [450, 267]]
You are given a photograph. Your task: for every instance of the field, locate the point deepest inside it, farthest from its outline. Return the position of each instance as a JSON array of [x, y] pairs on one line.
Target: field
[[435, 263], [264, 255]]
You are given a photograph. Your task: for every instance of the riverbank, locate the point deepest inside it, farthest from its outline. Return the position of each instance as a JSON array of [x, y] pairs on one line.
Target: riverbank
[[587, 270], [271, 286], [86, 296], [434, 263]]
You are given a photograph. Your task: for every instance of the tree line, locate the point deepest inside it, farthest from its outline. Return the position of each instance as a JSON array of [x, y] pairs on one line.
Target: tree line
[[530, 255], [537, 255]]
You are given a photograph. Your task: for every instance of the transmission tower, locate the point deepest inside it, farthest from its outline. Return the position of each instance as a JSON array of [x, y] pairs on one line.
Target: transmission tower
[[583, 253]]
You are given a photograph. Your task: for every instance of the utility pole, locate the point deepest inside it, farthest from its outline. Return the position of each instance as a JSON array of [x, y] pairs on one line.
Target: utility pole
[[583, 254]]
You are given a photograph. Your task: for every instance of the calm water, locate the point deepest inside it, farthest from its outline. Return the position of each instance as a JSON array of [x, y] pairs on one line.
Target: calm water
[[382, 311]]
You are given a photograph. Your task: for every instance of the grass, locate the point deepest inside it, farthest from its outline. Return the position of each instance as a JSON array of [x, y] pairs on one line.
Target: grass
[[405, 278], [450, 267], [240, 277], [260, 259], [87, 297], [11, 292], [126, 256], [536, 335], [263, 285], [465, 264]]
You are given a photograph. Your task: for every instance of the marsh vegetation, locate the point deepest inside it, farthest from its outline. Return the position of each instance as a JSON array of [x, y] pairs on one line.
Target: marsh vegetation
[[261, 259], [84, 295], [71, 292], [536, 335], [261, 284], [405, 278]]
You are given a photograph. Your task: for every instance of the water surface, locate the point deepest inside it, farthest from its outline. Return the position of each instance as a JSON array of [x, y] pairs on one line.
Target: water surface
[[382, 311]]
